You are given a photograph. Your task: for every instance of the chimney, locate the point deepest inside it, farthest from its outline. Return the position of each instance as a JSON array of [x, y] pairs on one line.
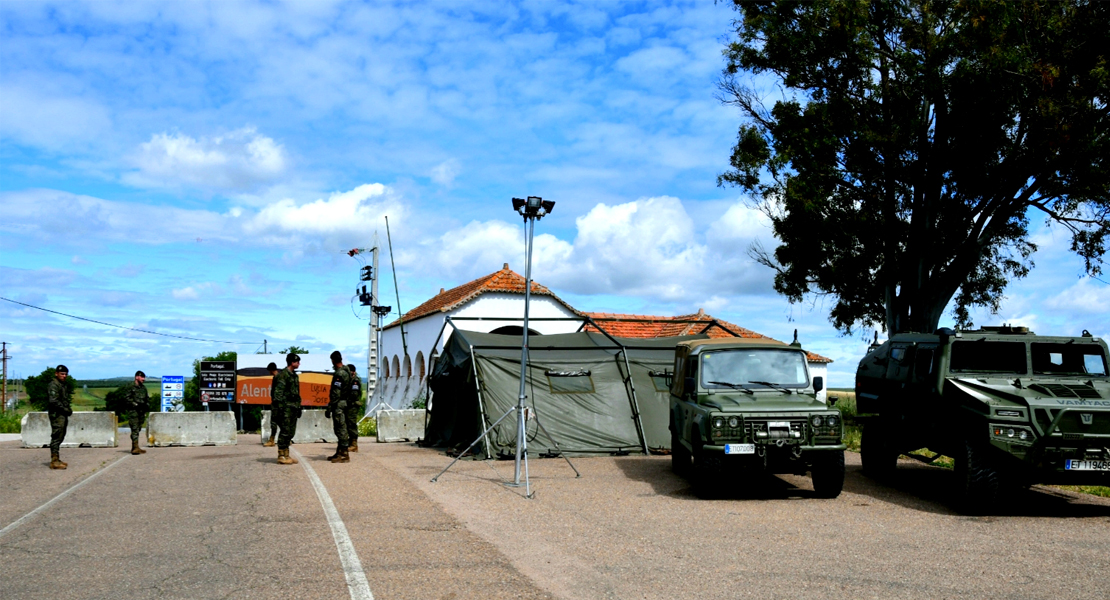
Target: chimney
[[440, 291], [506, 267], [701, 312]]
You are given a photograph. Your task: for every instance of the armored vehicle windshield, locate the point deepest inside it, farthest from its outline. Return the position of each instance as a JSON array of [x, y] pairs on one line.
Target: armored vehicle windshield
[[1068, 359], [754, 367], [988, 356]]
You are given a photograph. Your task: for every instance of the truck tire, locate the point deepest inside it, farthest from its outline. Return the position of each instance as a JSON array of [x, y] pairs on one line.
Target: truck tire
[[705, 474], [828, 474], [877, 454], [680, 456], [978, 478]]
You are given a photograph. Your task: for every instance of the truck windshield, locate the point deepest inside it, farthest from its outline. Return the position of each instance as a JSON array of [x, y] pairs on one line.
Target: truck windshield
[[986, 356], [783, 368], [1068, 359]]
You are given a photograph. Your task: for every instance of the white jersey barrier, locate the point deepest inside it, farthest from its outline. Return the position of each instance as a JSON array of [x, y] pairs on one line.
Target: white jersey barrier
[[85, 429], [401, 425], [191, 429], [312, 427]]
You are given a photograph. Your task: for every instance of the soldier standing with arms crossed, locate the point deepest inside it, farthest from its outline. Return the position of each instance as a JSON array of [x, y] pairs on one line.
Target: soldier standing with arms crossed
[[287, 404], [138, 405], [272, 368], [337, 407], [58, 409], [354, 410]]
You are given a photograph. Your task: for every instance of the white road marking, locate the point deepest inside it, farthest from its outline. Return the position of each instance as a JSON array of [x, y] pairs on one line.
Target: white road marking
[[352, 567], [30, 515]]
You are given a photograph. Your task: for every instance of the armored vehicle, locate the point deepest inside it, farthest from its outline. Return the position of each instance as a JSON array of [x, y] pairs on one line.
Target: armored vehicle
[[1010, 407], [742, 404]]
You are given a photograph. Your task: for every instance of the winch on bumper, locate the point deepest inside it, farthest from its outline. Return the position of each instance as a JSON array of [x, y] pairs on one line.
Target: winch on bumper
[[756, 441]]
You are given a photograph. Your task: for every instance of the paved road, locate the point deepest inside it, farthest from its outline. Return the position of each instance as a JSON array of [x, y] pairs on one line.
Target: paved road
[[227, 522]]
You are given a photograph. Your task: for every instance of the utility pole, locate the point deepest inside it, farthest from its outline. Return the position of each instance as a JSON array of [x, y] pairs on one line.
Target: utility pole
[[4, 402], [265, 350], [375, 326]]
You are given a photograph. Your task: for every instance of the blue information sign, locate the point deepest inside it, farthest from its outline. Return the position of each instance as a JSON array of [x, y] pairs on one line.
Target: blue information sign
[[173, 393]]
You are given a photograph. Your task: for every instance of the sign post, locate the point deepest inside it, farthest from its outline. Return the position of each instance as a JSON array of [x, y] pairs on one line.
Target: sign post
[[217, 381], [173, 393]]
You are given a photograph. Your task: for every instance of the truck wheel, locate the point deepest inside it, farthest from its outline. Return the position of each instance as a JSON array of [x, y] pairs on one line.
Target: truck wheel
[[978, 478], [828, 474], [705, 474], [877, 454], [680, 456]]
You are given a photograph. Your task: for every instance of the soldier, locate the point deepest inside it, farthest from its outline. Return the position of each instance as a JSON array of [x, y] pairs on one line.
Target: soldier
[[286, 402], [272, 368], [337, 407], [137, 403], [354, 410], [58, 409]]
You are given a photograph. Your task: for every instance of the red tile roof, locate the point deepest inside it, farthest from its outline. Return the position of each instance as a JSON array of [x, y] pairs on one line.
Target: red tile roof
[[646, 326], [504, 281]]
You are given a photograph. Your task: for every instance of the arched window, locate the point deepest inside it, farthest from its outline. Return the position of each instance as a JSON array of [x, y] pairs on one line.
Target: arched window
[[385, 367], [420, 365], [396, 366], [514, 330], [408, 366]]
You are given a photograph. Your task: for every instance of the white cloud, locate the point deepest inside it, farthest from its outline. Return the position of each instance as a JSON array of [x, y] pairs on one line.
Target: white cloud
[[237, 161], [1086, 297], [342, 220], [54, 121], [445, 172], [197, 291]]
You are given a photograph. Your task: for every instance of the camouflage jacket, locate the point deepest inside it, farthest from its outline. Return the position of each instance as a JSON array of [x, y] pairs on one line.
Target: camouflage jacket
[[137, 398], [340, 387], [57, 397], [287, 389], [356, 391]]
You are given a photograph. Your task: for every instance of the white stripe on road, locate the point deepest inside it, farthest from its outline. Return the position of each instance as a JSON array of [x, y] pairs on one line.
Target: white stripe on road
[[30, 515], [352, 567]]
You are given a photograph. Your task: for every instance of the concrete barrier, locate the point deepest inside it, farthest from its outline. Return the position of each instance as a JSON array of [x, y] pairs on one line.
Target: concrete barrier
[[191, 429], [401, 425], [312, 427], [84, 430]]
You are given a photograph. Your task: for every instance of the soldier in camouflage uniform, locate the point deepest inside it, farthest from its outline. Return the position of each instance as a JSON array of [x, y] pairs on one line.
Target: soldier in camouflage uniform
[[58, 409], [338, 402], [286, 403], [137, 402], [274, 425], [354, 410]]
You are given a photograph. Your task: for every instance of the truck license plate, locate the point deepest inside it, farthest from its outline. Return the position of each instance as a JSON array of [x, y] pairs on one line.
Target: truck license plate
[[1087, 465], [739, 448]]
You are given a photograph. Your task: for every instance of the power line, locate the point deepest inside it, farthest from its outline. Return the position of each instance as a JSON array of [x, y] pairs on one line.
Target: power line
[[180, 337]]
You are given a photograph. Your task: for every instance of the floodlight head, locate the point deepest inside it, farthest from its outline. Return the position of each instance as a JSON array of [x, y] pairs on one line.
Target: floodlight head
[[533, 206]]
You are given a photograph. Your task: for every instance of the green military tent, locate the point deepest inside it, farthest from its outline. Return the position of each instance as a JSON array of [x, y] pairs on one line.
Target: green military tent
[[578, 389]]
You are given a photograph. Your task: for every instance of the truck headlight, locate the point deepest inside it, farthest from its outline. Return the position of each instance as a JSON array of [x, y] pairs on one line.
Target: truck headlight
[[734, 422], [818, 421], [832, 421], [718, 422]]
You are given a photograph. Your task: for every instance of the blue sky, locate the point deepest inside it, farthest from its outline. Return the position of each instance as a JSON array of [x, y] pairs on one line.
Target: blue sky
[[199, 169]]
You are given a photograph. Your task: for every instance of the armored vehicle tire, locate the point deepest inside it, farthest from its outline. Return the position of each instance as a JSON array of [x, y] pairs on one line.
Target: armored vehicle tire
[[978, 478], [828, 474], [680, 456], [877, 454]]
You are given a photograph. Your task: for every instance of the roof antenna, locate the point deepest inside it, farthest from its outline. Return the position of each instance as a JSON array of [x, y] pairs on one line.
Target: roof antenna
[[795, 342]]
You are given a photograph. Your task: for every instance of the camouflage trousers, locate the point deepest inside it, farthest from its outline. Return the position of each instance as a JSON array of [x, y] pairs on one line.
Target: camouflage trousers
[[288, 416], [135, 419], [58, 424], [354, 413], [339, 423]]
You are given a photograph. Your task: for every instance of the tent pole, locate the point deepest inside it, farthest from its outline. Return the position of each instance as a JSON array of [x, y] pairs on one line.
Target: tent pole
[[481, 404], [463, 453], [631, 385]]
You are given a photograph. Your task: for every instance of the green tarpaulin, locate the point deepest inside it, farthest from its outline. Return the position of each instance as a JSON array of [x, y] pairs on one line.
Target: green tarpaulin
[[577, 387]]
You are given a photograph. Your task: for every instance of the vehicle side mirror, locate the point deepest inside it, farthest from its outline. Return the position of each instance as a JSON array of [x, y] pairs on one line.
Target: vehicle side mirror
[[818, 384], [833, 400], [689, 385]]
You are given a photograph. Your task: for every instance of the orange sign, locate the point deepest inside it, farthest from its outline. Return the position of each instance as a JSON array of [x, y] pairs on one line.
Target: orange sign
[[255, 389]]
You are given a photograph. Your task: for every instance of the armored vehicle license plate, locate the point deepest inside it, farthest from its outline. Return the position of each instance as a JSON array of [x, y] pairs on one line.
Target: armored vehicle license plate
[[739, 448], [1087, 465]]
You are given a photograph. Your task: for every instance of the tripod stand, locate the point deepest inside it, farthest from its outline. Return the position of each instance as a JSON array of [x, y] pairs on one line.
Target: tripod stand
[[532, 209]]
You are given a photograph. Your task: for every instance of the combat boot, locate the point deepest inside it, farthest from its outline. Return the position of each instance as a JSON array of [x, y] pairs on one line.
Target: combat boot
[[270, 443], [135, 447], [353, 447], [283, 457], [55, 462], [338, 452], [343, 456]]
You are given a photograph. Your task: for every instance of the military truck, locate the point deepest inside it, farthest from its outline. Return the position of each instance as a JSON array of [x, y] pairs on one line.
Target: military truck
[[1011, 408], [750, 405]]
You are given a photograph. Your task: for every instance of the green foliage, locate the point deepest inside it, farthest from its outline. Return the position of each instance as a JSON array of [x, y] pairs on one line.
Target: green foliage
[[293, 350], [368, 427], [191, 396], [910, 142], [36, 388], [10, 422]]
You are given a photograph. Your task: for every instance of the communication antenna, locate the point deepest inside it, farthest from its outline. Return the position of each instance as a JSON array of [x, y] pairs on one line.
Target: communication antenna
[[393, 266]]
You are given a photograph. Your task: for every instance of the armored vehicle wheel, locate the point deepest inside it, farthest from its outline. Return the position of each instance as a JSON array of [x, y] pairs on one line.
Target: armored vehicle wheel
[[978, 478], [680, 456], [877, 454], [828, 474]]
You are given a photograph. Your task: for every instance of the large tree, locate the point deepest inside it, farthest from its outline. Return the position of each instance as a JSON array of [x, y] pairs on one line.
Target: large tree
[[909, 143]]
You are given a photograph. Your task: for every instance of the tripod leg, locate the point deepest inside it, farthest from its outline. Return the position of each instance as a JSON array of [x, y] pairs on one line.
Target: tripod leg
[[552, 440], [463, 453]]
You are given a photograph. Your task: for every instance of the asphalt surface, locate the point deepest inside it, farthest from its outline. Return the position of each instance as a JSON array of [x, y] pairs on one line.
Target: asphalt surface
[[228, 522]]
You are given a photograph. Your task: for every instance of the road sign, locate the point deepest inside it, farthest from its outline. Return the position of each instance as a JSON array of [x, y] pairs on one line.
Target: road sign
[[173, 393], [217, 381]]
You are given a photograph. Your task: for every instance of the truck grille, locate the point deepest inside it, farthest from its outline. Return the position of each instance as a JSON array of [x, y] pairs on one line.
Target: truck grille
[[1071, 424], [753, 426], [1061, 390]]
